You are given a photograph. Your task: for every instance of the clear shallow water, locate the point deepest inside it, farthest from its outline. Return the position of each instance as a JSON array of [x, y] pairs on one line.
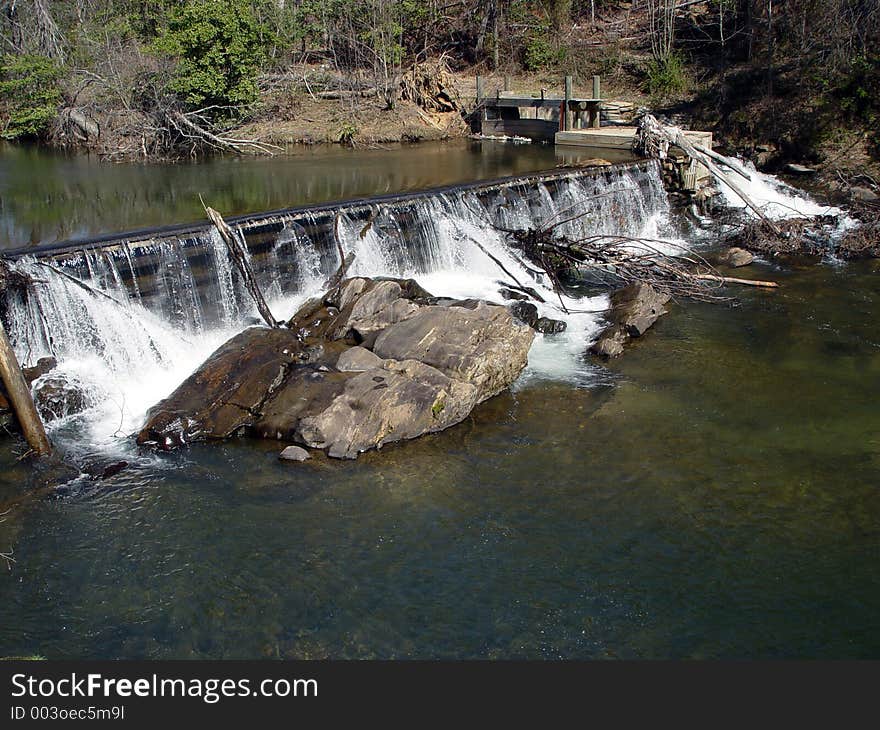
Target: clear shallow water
[[712, 494]]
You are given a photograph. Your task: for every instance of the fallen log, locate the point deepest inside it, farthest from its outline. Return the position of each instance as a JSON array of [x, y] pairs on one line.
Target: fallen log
[[238, 257], [89, 127], [188, 128], [654, 139], [734, 280], [730, 164], [20, 398]]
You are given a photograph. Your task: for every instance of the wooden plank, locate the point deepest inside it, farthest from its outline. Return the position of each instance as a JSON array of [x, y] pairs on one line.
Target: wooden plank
[[503, 100]]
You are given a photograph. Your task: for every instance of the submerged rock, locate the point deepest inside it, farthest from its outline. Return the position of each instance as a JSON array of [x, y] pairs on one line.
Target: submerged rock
[[44, 366], [57, 396], [371, 362], [547, 326], [634, 309], [737, 257]]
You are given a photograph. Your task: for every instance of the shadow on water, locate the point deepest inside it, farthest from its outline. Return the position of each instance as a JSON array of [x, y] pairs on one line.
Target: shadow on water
[[717, 496]]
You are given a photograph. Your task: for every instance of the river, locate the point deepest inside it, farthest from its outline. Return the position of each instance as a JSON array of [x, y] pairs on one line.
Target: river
[[712, 494]]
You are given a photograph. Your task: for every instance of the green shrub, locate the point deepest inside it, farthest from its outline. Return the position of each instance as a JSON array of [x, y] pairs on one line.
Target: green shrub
[[666, 76], [219, 47], [857, 91], [29, 88], [538, 53]]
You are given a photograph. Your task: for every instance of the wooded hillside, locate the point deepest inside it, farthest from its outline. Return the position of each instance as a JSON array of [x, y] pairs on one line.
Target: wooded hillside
[[169, 77]]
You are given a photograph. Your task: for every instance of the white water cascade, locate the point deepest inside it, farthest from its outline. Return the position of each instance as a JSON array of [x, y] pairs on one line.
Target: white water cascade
[[131, 348]]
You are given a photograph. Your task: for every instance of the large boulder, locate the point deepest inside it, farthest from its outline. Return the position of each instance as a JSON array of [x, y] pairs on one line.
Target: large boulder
[[400, 400], [226, 394], [634, 309], [370, 362], [484, 346]]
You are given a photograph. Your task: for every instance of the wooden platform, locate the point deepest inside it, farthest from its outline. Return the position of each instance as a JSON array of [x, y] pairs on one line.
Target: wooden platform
[[618, 138]]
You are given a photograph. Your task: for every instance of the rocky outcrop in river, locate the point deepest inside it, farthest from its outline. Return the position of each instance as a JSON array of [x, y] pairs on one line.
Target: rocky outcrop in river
[[634, 309], [371, 362]]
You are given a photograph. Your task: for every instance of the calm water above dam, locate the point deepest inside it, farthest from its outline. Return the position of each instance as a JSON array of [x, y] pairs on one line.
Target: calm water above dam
[[714, 493]]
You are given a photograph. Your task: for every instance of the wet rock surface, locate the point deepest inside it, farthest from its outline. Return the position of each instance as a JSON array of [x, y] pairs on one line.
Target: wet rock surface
[[371, 362], [736, 257], [57, 396], [634, 309], [44, 366], [294, 453]]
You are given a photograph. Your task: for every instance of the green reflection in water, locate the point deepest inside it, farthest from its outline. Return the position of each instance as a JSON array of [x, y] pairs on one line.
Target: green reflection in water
[[48, 197]]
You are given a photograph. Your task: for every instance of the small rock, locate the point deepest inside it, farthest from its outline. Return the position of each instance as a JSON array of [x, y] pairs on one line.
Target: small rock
[[799, 169], [634, 309], [509, 294], [294, 453], [737, 257], [525, 312], [866, 195], [547, 326], [57, 396]]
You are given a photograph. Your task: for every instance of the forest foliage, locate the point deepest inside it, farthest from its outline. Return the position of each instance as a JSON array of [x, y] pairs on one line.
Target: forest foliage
[[210, 56]]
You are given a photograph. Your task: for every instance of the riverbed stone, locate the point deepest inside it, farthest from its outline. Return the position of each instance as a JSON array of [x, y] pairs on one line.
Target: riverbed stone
[[31, 374], [634, 309], [358, 359], [737, 257], [57, 395], [484, 346], [370, 362], [294, 453]]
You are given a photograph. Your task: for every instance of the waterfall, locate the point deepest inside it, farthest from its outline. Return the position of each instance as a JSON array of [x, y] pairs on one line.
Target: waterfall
[[172, 300]]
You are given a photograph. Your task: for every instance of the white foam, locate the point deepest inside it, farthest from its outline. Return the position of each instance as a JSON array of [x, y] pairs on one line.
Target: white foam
[[128, 358]]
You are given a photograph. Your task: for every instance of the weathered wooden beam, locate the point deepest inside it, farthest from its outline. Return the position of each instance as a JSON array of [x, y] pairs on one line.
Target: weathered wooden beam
[[595, 121], [567, 122], [20, 398]]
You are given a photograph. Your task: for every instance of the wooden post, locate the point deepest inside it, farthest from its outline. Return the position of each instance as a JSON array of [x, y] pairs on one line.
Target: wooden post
[[567, 123], [20, 398], [595, 114], [480, 96], [507, 83]]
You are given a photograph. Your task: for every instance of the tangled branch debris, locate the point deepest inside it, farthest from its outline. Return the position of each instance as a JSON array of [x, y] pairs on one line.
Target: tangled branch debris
[[616, 261], [654, 139]]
